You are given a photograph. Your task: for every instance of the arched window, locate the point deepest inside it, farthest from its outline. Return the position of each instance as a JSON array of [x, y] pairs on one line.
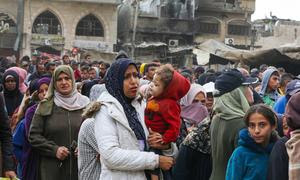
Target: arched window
[[46, 23], [89, 26]]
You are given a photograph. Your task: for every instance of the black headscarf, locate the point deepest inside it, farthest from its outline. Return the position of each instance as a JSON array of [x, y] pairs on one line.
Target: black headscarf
[[114, 85], [12, 98]]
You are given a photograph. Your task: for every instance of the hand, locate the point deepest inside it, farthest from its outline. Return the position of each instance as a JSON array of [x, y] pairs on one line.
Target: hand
[[155, 141], [62, 152], [10, 174], [165, 163]]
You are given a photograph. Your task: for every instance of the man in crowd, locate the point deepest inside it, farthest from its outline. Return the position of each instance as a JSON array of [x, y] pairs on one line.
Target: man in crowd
[[40, 70], [269, 86], [103, 68], [66, 60], [150, 71], [74, 66], [92, 73], [50, 67], [84, 73]]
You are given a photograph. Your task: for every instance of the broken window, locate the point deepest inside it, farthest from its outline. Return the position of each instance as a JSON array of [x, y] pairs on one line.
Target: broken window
[[241, 30], [46, 23], [89, 26], [210, 28]]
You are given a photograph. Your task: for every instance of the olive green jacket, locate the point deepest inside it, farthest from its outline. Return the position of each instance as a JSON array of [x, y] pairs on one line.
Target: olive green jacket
[[47, 133]]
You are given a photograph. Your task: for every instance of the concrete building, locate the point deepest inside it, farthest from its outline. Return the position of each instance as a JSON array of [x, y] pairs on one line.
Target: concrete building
[[157, 29], [8, 27], [58, 26], [274, 32], [228, 21], [169, 29]]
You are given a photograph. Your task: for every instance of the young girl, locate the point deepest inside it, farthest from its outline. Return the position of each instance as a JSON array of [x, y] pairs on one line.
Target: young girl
[[162, 113], [250, 159]]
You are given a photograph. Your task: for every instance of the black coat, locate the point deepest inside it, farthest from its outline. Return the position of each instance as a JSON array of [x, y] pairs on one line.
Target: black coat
[[192, 165], [5, 138], [279, 161]]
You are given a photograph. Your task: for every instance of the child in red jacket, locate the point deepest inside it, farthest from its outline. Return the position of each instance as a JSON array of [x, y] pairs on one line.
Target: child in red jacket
[[162, 113]]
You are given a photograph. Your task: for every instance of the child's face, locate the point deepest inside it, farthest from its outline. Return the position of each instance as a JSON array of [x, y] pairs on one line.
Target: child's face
[[260, 129], [273, 82], [156, 86]]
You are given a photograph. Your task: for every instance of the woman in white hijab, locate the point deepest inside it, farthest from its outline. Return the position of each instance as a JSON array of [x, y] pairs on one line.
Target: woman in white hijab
[[54, 128]]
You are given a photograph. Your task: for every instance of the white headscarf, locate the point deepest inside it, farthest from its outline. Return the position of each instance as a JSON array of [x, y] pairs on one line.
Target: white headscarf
[[73, 101], [190, 96]]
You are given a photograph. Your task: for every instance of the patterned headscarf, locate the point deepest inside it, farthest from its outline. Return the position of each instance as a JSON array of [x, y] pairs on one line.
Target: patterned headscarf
[[114, 85]]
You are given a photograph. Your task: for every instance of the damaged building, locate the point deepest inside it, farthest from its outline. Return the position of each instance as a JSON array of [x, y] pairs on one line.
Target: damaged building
[[169, 29], [227, 21], [157, 29]]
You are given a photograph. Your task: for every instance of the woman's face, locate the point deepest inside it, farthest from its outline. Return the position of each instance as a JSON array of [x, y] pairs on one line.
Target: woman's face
[[10, 84], [131, 82], [43, 91], [200, 97], [64, 84], [260, 129]]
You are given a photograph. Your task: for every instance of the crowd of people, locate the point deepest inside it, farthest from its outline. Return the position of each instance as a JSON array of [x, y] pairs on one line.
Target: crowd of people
[[63, 119]]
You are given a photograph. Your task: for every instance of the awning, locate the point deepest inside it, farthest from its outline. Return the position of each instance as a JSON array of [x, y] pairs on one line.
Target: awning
[[147, 44], [287, 56], [180, 48]]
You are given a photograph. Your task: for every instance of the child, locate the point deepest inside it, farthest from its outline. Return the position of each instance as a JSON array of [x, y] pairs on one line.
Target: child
[[162, 113], [250, 159]]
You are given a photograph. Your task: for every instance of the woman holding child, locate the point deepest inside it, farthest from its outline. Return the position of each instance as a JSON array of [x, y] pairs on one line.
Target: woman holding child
[[120, 130]]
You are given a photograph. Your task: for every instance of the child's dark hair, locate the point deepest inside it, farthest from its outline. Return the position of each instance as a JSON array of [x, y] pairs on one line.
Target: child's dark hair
[[165, 72], [264, 110]]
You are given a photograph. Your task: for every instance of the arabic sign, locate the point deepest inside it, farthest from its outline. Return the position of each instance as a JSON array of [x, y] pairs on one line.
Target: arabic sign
[[47, 40], [93, 45], [5, 23]]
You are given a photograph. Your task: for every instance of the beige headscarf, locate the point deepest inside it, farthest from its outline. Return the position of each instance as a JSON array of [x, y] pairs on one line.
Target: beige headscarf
[[73, 101]]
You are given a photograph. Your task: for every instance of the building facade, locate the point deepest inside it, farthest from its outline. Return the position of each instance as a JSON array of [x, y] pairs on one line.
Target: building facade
[[274, 32], [8, 27], [157, 29], [228, 21], [57, 26], [169, 29]]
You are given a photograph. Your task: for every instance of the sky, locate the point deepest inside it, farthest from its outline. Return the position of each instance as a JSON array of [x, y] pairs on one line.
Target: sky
[[283, 9]]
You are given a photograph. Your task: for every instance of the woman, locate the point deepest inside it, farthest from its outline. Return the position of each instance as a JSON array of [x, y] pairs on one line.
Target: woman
[[22, 149], [30, 158], [22, 77], [55, 125], [12, 95], [120, 130], [192, 110], [232, 101], [191, 106], [89, 166]]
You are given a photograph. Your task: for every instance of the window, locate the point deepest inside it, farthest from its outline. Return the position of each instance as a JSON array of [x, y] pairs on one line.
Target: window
[[46, 23], [241, 30], [89, 26], [211, 28]]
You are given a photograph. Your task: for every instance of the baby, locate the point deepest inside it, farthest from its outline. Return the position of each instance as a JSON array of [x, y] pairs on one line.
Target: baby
[[162, 113]]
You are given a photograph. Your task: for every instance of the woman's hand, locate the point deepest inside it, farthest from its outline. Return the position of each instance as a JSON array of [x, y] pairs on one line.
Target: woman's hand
[[165, 163], [62, 152], [155, 141]]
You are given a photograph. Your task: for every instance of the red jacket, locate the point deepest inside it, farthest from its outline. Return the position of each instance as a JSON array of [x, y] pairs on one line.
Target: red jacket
[[162, 114]]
